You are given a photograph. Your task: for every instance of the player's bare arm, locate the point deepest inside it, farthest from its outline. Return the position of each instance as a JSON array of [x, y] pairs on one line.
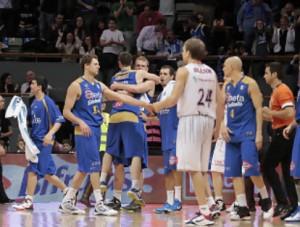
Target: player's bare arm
[[115, 96], [181, 77], [140, 88], [73, 93], [256, 97]]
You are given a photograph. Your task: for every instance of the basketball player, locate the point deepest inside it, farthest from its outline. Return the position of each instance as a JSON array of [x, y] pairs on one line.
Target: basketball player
[[46, 119], [197, 96], [83, 109], [281, 112], [295, 164], [243, 136], [147, 88], [126, 136], [168, 124]]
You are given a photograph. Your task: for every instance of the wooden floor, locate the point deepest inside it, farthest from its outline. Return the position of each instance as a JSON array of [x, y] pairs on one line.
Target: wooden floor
[[47, 215]]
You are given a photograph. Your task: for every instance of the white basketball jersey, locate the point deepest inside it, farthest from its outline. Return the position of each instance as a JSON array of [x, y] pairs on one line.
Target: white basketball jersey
[[199, 95]]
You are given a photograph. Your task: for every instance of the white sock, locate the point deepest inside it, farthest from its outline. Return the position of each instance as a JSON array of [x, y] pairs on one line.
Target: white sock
[[204, 209], [241, 199], [98, 195], [29, 197], [178, 193], [219, 198], [210, 201], [135, 184], [103, 177], [263, 192], [71, 193], [170, 197], [117, 194]]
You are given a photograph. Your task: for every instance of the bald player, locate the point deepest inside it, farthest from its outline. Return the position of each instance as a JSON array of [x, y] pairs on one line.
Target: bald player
[[243, 136]]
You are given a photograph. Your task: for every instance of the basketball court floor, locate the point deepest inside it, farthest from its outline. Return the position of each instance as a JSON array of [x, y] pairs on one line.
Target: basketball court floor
[[47, 215]]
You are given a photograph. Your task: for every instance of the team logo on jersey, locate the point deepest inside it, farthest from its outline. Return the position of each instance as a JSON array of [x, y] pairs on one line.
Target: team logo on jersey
[[86, 85], [246, 166], [242, 87], [232, 113], [89, 94]]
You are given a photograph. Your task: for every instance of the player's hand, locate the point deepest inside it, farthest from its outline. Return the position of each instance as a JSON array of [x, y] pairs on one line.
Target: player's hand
[[149, 107], [48, 139], [259, 142], [216, 134], [156, 108], [267, 113], [114, 86], [225, 132], [85, 129], [287, 131]]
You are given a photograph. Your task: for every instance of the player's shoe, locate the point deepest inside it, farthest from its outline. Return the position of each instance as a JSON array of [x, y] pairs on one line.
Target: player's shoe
[[241, 214], [199, 220], [294, 217], [177, 205], [221, 205], [132, 207], [114, 203], [25, 205], [266, 206], [68, 207], [134, 194], [101, 209]]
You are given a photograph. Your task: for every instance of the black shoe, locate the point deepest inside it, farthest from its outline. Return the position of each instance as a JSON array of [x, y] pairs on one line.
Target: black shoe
[[132, 207], [265, 204], [288, 212], [220, 203], [114, 204], [241, 213], [280, 210]]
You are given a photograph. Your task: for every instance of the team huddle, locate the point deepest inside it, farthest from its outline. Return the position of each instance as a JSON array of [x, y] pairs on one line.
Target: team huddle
[[193, 112]]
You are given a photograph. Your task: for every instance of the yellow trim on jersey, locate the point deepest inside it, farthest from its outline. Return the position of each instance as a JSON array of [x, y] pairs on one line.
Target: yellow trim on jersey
[[247, 80], [123, 117]]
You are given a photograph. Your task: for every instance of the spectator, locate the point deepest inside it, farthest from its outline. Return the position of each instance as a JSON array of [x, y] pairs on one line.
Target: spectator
[[27, 21], [198, 28], [150, 38], [87, 46], [182, 30], [262, 39], [57, 26], [79, 28], [5, 129], [148, 17], [25, 87], [283, 37], [88, 10], [47, 15], [68, 44], [98, 32], [20, 145], [123, 12], [249, 12], [219, 36], [112, 42], [288, 11], [7, 85], [297, 35], [172, 47], [167, 9]]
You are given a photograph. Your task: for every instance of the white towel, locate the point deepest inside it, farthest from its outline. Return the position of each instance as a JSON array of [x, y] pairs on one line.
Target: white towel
[[17, 109]]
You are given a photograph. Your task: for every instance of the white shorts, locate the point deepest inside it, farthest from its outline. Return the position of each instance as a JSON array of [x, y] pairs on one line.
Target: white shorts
[[193, 143], [218, 159]]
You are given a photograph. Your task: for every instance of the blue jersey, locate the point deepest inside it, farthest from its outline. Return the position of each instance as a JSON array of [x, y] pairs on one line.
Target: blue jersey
[[168, 121], [241, 114], [298, 107], [42, 114], [88, 106], [125, 77]]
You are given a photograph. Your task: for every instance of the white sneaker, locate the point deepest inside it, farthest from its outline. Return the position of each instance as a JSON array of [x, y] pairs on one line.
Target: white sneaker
[[268, 214], [25, 205], [68, 207], [199, 220], [101, 209], [232, 207], [295, 217]]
